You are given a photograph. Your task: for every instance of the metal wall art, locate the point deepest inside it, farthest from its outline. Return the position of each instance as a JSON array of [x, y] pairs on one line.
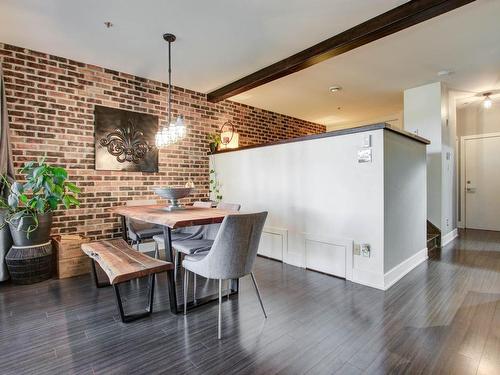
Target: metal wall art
[[125, 140]]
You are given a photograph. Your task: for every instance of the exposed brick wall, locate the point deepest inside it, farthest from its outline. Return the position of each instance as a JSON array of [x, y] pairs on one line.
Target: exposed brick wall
[[51, 101]]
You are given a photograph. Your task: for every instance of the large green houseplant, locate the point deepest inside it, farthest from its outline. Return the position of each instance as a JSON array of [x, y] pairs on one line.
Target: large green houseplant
[[30, 205]]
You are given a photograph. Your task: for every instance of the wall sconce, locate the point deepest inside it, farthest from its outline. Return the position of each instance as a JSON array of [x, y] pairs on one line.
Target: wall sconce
[[229, 137]]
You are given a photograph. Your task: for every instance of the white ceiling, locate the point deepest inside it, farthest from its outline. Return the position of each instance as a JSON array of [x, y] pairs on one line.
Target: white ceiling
[[218, 41], [465, 41], [222, 40]]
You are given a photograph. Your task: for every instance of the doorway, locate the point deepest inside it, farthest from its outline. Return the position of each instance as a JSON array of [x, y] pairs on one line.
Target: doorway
[[481, 181]]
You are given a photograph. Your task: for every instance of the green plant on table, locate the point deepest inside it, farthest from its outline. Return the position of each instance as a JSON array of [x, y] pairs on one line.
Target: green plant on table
[[46, 187]]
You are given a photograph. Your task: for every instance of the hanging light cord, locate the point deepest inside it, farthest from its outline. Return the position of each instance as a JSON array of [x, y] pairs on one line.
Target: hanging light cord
[[169, 85]]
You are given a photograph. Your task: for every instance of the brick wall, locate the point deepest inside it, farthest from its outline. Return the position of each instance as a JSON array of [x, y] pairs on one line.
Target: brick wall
[[51, 101]]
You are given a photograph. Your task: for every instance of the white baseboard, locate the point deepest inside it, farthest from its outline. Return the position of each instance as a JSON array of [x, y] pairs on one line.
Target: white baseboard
[[395, 274], [447, 238], [367, 278]]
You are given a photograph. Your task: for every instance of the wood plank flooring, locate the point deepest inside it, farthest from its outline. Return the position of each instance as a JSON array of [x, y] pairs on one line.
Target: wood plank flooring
[[443, 317]]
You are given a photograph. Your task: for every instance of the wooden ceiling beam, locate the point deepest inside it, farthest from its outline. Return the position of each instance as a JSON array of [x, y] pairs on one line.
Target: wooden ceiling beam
[[390, 22]]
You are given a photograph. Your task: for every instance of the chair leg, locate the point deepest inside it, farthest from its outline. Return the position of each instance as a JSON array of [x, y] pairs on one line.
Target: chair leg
[[258, 294], [157, 250], [219, 326], [186, 285], [228, 288], [176, 264], [194, 288], [137, 245]]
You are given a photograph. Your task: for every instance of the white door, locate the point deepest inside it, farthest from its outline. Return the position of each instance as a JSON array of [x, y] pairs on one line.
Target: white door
[[482, 183]]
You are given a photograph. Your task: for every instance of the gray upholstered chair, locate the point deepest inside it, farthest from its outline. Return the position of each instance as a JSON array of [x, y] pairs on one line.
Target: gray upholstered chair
[[181, 235], [204, 241], [232, 255], [140, 231], [229, 206]]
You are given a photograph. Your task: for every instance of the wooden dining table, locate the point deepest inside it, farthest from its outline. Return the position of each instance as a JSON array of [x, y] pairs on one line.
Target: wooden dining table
[[170, 220]]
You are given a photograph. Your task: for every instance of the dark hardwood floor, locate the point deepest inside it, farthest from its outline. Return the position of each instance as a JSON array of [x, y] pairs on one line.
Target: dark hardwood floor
[[443, 317]]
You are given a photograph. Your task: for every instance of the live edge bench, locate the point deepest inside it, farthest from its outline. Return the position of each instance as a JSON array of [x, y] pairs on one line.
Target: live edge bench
[[122, 263]]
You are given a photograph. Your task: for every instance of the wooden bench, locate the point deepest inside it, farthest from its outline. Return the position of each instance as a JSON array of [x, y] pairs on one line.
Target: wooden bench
[[122, 263]]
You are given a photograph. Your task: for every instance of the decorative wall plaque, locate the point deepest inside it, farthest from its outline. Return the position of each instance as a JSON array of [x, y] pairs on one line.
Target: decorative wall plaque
[[125, 140]]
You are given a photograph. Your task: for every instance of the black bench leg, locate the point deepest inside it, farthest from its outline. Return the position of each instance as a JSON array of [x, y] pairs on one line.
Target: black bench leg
[[98, 284], [135, 316]]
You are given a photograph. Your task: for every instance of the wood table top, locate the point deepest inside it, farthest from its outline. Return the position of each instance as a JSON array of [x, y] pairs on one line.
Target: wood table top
[[157, 214]]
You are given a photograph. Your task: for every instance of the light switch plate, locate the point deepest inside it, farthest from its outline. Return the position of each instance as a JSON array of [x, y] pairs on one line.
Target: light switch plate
[[367, 140], [365, 155]]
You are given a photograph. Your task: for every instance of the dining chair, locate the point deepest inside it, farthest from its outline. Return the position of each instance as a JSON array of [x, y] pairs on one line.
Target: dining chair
[[204, 242], [180, 235], [232, 256], [140, 231], [209, 232]]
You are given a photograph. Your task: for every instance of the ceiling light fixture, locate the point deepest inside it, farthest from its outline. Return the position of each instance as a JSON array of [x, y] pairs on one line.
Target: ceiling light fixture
[[487, 102], [172, 132], [335, 88], [444, 73]]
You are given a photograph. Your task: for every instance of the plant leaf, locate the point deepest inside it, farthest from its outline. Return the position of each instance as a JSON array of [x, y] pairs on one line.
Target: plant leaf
[[60, 173], [12, 201], [66, 201], [73, 188], [17, 188], [53, 202]]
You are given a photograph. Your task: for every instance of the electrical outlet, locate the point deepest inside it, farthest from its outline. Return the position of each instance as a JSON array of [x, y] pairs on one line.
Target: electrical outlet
[[365, 250], [357, 249]]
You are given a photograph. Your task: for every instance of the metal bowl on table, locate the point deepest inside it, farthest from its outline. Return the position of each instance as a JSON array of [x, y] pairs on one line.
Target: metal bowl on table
[[173, 194]]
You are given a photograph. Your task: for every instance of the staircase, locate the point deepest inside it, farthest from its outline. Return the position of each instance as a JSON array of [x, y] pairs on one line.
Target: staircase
[[433, 238]]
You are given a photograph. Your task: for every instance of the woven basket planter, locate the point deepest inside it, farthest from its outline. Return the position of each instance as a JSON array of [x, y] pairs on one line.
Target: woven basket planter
[[30, 264]]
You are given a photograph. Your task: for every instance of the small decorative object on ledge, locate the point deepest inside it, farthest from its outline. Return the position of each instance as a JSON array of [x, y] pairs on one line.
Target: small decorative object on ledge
[[173, 194], [229, 138], [124, 140], [214, 141]]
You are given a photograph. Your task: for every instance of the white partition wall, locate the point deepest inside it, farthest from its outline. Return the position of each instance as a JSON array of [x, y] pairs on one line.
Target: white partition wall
[[322, 202]]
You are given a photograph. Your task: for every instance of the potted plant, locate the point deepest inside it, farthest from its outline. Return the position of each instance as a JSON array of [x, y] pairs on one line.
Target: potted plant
[[214, 140], [30, 205]]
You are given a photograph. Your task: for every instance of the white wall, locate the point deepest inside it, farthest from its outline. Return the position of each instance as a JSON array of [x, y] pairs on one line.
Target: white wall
[[394, 119], [449, 203], [405, 169], [429, 111], [474, 119], [317, 193]]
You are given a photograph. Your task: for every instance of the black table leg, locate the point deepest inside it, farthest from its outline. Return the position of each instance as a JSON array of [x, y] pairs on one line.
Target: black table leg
[[169, 255], [124, 229]]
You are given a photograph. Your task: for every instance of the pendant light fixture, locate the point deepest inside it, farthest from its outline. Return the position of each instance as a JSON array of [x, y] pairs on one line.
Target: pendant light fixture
[[173, 131], [487, 102]]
